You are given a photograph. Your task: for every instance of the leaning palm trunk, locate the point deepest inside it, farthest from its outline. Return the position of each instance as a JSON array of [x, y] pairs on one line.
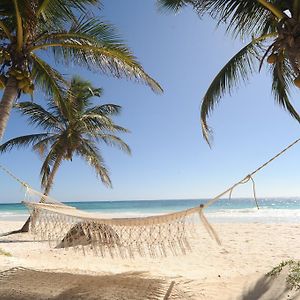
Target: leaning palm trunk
[[9, 97], [25, 227], [50, 179]]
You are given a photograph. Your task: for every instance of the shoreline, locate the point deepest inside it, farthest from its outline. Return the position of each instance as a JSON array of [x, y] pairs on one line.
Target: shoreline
[[277, 210], [232, 216], [248, 252]]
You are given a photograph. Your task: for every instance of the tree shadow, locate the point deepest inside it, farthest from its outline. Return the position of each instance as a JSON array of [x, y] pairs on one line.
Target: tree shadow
[[22, 241], [21, 283], [270, 288]]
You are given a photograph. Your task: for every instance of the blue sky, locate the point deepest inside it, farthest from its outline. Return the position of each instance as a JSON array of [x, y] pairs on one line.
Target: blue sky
[[170, 159]]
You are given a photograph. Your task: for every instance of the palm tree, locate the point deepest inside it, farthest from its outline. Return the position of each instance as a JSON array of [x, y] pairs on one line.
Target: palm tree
[[32, 29], [74, 129], [273, 31]]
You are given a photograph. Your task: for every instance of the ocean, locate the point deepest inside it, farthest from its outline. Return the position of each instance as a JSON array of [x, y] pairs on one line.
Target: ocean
[[272, 210]]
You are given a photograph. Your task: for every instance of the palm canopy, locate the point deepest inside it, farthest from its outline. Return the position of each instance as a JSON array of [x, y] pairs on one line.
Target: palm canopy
[[32, 29], [74, 129], [273, 31]]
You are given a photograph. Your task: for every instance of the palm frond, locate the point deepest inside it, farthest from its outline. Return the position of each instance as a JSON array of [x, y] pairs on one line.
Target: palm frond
[[112, 140], [38, 116], [98, 118], [238, 68], [118, 128], [90, 153], [22, 141], [242, 17], [83, 90], [85, 28], [173, 5], [5, 29], [96, 45], [19, 26], [43, 145], [50, 80], [105, 109], [282, 76], [94, 123], [55, 12], [80, 95]]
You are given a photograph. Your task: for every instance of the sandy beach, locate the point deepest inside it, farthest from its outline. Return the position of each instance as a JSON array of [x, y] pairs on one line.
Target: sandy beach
[[168, 181], [233, 271]]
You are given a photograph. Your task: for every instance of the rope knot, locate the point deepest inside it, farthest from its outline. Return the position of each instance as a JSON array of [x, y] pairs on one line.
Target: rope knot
[[246, 179]]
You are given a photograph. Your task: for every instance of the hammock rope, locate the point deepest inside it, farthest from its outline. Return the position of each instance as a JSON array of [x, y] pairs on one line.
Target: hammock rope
[[246, 180], [9, 173], [146, 236], [250, 175]]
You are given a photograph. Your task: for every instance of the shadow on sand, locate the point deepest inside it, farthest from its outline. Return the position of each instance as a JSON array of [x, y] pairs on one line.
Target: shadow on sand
[[270, 288], [21, 283], [22, 241]]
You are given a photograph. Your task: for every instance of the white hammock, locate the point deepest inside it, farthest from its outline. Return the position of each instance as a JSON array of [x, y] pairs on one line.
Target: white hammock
[[126, 237]]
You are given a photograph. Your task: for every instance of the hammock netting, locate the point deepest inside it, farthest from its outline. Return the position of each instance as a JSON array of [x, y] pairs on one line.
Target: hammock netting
[[70, 228]]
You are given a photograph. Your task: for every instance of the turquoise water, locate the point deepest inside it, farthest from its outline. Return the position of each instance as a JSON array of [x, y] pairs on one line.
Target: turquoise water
[[234, 210]]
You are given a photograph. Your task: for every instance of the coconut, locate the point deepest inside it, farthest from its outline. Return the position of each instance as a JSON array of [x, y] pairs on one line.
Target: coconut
[[22, 83], [297, 81], [28, 89], [26, 74], [272, 58], [19, 76]]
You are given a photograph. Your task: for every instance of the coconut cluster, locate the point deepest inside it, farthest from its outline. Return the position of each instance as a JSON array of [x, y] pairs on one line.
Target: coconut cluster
[[22, 76]]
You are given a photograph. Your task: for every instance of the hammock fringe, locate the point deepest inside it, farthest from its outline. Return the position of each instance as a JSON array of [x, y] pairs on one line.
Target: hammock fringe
[[156, 236]]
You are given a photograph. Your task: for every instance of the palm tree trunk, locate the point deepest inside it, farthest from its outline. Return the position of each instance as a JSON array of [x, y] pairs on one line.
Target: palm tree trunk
[[51, 176], [25, 227], [9, 96]]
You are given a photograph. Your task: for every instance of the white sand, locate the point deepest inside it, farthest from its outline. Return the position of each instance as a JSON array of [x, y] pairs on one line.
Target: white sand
[[210, 272]]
